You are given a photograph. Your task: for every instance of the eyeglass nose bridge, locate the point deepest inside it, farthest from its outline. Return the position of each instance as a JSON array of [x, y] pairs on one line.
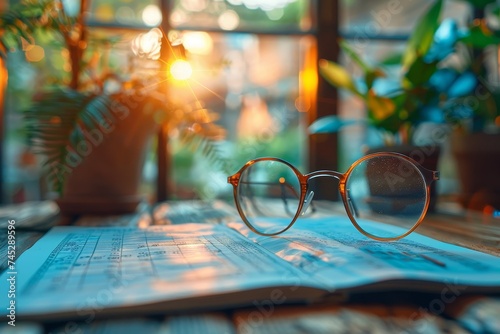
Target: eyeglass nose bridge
[[306, 178], [325, 173]]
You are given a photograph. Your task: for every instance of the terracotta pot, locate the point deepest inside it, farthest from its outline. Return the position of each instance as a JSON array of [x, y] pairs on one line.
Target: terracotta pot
[[426, 156], [104, 175], [477, 159]]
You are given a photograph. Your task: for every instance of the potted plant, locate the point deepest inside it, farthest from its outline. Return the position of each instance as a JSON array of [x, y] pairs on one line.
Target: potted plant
[[395, 105], [475, 116], [443, 80], [94, 127]]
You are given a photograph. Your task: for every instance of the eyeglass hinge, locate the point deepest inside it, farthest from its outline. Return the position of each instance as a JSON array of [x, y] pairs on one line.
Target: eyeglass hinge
[[233, 179]]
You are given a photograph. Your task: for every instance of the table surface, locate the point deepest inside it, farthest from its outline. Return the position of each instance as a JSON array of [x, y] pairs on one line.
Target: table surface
[[385, 313]]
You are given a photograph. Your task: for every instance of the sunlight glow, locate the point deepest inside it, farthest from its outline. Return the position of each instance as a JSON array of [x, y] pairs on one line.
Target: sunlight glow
[[181, 70]]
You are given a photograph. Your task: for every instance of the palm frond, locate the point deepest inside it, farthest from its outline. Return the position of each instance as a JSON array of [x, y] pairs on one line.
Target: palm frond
[[59, 121], [211, 148]]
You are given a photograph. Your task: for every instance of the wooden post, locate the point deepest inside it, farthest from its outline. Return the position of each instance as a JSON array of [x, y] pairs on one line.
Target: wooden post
[[3, 87], [163, 182], [323, 152]]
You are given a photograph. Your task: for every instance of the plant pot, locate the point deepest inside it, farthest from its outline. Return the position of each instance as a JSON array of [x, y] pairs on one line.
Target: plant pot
[[426, 156], [104, 176], [477, 159]]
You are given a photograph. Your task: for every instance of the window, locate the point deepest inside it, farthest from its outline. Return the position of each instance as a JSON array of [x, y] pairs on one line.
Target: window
[[250, 61], [253, 65]]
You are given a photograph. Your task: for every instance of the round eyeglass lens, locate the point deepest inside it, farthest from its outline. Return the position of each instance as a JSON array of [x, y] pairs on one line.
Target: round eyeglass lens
[[386, 189], [268, 194]]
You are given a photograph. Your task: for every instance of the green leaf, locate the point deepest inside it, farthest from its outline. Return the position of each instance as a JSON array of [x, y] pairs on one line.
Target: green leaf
[[480, 36], [420, 72], [421, 39], [354, 56], [370, 73], [337, 76], [379, 107], [57, 122], [393, 59]]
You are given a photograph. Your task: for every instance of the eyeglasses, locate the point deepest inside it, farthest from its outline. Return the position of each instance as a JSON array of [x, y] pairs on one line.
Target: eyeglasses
[[270, 194]]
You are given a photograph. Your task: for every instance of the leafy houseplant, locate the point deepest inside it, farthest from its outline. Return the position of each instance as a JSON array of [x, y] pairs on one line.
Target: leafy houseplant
[[475, 116], [440, 81], [395, 105], [93, 127]]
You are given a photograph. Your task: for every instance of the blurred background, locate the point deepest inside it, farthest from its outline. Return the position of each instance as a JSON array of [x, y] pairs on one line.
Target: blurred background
[[253, 63]]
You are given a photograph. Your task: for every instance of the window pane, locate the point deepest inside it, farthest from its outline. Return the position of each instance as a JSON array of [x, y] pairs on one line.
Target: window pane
[[252, 83], [286, 16], [125, 12], [360, 19]]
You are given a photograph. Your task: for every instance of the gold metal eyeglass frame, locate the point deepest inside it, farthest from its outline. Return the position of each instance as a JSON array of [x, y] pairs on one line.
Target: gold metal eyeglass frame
[[427, 175]]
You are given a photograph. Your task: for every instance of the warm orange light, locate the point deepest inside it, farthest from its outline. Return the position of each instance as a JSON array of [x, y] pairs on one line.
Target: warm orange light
[[255, 120], [181, 70], [282, 180], [308, 77]]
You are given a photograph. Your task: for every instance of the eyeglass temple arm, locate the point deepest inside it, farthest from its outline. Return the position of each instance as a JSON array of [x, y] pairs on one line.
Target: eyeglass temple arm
[[429, 175]]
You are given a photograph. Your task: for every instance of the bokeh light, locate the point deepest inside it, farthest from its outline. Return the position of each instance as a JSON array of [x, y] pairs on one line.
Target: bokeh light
[[194, 5], [34, 53], [229, 20], [104, 13], [275, 14], [265, 5], [151, 15], [198, 42]]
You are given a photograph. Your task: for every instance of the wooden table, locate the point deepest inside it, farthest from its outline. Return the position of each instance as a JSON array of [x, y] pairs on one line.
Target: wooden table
[[401, 312]]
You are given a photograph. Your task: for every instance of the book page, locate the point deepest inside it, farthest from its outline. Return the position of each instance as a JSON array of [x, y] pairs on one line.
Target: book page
[[335, 253], [82, 269]]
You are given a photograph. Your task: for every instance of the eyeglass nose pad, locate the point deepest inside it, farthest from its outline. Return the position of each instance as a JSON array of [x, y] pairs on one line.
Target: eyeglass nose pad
[[352, 206], [307, 202]]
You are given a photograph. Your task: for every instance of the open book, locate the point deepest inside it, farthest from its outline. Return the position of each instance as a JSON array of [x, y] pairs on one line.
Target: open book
[[88, 272]]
